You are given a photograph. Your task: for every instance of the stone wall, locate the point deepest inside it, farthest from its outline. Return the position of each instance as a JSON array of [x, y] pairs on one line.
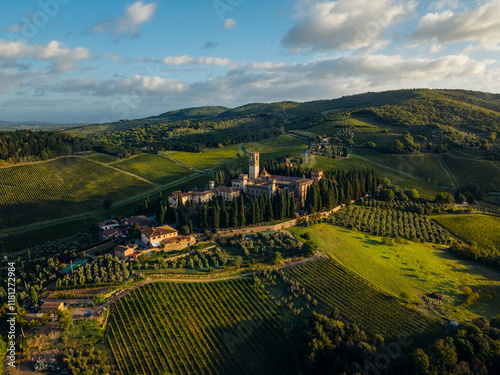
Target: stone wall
[[276, 227]]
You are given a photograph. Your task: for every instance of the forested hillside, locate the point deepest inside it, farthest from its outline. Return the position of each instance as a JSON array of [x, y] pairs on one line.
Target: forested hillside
[[437, 119]]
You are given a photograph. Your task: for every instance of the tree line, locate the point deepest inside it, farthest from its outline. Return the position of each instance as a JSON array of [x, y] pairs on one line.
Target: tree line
[[332, 346], [26, 145]]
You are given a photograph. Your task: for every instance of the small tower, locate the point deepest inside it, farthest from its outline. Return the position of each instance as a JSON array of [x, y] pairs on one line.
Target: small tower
[[317, 175], [211, 185], [253, 162]]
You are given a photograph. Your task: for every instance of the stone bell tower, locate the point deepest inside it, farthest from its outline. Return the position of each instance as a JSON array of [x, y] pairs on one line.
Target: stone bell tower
[[253, 165]]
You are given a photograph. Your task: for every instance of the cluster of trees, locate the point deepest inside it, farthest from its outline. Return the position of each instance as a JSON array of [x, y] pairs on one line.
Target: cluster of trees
[[266, 244], [490, 257], [330, 346], [189, 135], [105, 269], [418, 207], [27, 145], [339, 187], [469, 349], [392, 223], [469, 194], [436, 108]]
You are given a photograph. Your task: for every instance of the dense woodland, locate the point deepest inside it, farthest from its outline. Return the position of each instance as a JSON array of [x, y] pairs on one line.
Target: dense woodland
[[27, 145], [333, 346]]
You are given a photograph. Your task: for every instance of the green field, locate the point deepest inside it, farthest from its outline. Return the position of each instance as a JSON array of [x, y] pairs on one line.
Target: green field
[[479, 172], [62, 187], [425, 167], [209, 158], [153, 168], [415, 269], [226, 157], [358, 301], [278, 146], [401, 179], [483, 229], [226, 327]]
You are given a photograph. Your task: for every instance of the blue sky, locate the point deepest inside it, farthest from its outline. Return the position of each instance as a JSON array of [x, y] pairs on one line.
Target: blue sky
[[97, 61]]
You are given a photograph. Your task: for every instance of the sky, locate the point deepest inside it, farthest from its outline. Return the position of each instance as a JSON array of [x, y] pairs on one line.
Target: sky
[[90, 61]]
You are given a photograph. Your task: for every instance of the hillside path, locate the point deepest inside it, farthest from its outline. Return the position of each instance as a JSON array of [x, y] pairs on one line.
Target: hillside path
[[149, 280]]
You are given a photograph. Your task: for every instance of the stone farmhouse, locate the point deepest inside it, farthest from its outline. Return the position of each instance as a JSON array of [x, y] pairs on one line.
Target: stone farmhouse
[[166, 235], [253, 184]]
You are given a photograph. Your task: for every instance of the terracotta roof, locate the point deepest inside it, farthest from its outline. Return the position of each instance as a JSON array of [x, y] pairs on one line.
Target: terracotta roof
[[227, 189], [51, 305], [160, 231], [103, 223], [122, 248], [206, 192], [142, 220]]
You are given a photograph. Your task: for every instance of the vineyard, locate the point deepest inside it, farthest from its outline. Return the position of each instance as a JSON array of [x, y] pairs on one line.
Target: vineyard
[[470, 172], [102, 158], [426, 167], [153, 168], [36, 237], [224, 327], [62, 187], [392, 223], [372, 310]]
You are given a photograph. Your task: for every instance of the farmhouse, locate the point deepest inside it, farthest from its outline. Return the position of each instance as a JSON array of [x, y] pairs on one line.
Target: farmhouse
[[48, 307], [141, 220], [122, 252], [253, 184], [106, 225]]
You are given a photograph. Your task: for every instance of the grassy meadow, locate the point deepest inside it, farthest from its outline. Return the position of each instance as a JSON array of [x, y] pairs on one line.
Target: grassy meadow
[[413, 269], [281, 145], [483, 229], [227, 157], [209, 158], [153, 168]]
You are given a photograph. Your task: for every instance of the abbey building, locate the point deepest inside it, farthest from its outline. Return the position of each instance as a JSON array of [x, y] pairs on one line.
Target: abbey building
[[253, 184]]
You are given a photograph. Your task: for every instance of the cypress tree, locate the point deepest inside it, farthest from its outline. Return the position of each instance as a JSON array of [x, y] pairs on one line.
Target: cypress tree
[[242, 211], [224, 218], [181, 212], [216, 217], [236, 213], [160, 213], [204, 217]]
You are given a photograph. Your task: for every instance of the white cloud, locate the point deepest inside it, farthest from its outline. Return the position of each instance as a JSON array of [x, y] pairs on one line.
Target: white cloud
[[229, 23], [345, 24], [63, 59], [135, 15], [188, 60], [480, 25], [136, 86]]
